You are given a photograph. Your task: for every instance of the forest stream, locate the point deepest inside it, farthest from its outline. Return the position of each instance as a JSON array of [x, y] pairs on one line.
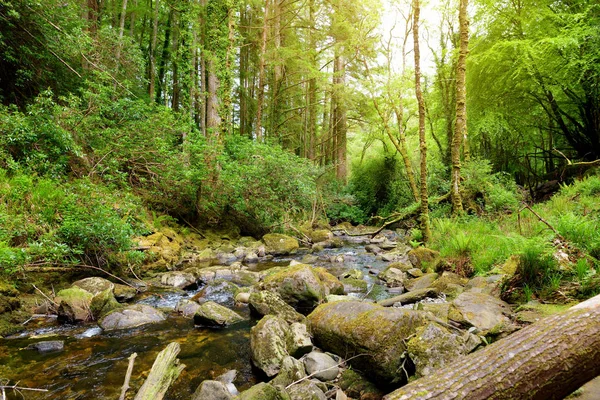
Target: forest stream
[[93, 363]]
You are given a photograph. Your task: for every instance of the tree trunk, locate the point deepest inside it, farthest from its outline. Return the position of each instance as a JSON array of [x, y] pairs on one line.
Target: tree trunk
[[162, 68], [152, 77], [261, 74], [339, 128], [547, 360], [121, 32], [460, 131], [422, 142], [175, 61], [311, 99], [165, 370]]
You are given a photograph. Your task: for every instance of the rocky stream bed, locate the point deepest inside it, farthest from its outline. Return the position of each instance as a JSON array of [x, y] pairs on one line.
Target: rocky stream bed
[[352, 306]]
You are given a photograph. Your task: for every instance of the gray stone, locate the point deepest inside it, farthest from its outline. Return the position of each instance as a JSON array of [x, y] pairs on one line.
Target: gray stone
[[306, 390], [321, 366], [187, 308], [178, 279], [213, 315], [47, 346], [263, 391], [131, 317], [371, 248], [300, 342], [219, 291], [124, 293], [265, 303], [227, 379], [486, 313], [94, 285], [269, 343], [212, 390], [434, 347], [74, 305], [393, 277], [423, 282], [291, 370]]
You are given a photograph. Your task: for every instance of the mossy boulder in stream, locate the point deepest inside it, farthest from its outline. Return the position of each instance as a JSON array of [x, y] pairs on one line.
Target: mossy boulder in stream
[[74, 305], [265, 303], [352, 328], [94, 285], [269, 342], [486, 313], [278, 244], [263, 391], [302, 286], [131, 317], [422, 256], [214, 315], [102, 303]]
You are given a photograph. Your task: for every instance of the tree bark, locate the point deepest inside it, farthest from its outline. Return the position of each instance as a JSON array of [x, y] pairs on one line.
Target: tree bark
[[165, 370], [152, 77], [261, 74], [339, 127], [422, 142], [460, 131], [547, 360]]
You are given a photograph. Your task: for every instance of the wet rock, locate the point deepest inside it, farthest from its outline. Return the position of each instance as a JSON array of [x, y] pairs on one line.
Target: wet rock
[[227, 379], [299, 343], [426, 281], [219, 291], [414, 272], [178, 279], [212, 390], [243, 297], [371, 248], [234, 273], [392, 276], [103, 303], [278, 244], [187, 308], [47, 346], [358, 387], [251, 258], [353, 285], [265, 303], [302, 286], [320, 235], [226, 258], [88, 333], [291, 370], [434, 347], [124, 293], [214, 315], [269, 344], [410, 297], [263, 391], [94, 285], [306, 390], [422, 255], [131, 317], [74, 305], [321, 366], [357, 327], [486, 313]]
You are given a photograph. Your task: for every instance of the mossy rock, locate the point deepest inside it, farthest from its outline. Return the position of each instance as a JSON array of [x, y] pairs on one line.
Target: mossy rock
[[356, 327], [124, 293], [486, 313], [331, 284], [422, 255], [263, 391], [423, 282], [278, 244], [306, 390], [218, 290], [402, 266], [433, 347], [392, 276], [131, 317], [320, 235], [214, 315], [9, 300], [74, 304], [269, 343], [102, 303], [94, 285], [353, 285], [358, 387], [264, 303], [291, 370]]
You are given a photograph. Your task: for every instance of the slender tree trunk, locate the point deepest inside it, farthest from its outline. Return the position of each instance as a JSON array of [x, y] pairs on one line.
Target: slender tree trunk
[[244, 66], [175, 61], [162, 85], [311, 98], [93, 9], [340, 122], [261, 74], [544, 361], [460, 130], [121, 31], [132, 17], [152, 77], [422, 142]]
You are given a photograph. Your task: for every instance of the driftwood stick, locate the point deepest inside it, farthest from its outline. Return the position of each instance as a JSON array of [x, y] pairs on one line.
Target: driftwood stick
[[165, 370], [125, 386], [527, 206], [15, 387], [44, 294]]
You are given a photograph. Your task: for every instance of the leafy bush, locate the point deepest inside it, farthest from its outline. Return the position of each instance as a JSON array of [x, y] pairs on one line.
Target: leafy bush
[[537, 267], [495, 192]]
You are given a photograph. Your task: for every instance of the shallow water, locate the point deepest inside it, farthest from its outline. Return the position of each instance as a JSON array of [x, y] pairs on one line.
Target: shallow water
[[94, 363]]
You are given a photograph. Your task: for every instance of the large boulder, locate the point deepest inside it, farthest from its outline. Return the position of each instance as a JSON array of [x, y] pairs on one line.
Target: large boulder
[[178, 279], [433, 347], [94, 285], [353, 328], [278, 244], [74, 305], [214, 315], [422, 282], [300, 342], [269, 342], [235, 273], [486, 313], [302, 286], [263, 391], [131, 317], [265, 303], [102, 303], [219, 291], [187, 308], [422, 256]]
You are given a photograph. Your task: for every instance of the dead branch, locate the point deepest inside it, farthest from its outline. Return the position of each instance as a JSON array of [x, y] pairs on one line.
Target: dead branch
[[125, 386], [528, 207]]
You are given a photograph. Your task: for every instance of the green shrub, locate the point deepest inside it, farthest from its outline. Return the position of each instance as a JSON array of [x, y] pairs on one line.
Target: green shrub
[[495, 192], [537, 267]]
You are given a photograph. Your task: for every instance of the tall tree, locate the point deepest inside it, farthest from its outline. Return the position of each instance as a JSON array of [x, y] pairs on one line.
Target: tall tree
[[422, 142], [460, 130]]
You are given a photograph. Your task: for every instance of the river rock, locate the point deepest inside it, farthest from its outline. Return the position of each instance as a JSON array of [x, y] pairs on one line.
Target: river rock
[[302, 286], [214, 315], [212, 390], [234, 273], [353, 285], [227, 379], [321, 366], [356, 327], [422, 255], [124, 293], [433, 347], [263, 391], [392, 276], [178, 279], [187, 308], [269, 341], [484, 312], [415, 273], [278, 244], [219, 291], [358, 387], [48, 346], [265, 302], [299, 343], [94, 285], [410, 297], [423, 282], [251, 258], [131, 317], [242, 297], [291, 370], [306, 390], [74, 304], [372, 248], [103, 303]]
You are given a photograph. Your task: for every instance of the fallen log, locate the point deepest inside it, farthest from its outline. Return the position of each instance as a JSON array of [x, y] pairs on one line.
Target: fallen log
[[165, 370], [547, 360]]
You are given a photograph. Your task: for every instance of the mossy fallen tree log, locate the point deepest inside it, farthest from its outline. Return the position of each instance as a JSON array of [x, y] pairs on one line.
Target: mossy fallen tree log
[[165, 370], [547, 360]]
